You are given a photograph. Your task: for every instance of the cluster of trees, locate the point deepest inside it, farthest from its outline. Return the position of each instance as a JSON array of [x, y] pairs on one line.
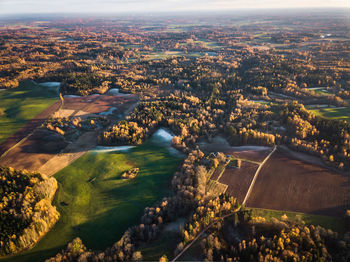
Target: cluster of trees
[[328, 139], [84, 83], [187, 116], [26, 213], [293, 125], [207, 212], [124, 133], [70, 126], [275, 240], [131, 174]]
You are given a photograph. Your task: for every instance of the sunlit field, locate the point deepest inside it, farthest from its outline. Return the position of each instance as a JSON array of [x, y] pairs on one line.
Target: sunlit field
[[97, 205], [22, 104]]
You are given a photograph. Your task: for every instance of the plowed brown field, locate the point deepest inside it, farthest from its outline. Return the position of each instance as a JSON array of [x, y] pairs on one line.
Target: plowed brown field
[[291, 184]]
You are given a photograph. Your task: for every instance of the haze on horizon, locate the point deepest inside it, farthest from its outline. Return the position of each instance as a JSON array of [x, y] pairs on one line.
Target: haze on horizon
[[8, 7]]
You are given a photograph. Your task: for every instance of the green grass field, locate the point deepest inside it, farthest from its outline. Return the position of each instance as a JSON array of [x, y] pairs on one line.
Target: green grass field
[[100, 211], [339, 113], [328, 222], [165, 244], [21, 104]]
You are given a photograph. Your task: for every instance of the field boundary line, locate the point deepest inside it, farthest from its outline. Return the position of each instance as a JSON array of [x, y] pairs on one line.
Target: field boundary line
[[203, 231], [256, 175], [31, 133], [223, 170], [251, 161], [17, 144]]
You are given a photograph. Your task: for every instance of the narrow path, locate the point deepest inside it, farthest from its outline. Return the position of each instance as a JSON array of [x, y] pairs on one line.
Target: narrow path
[[18, 144], [256, 176], [223, 170], [251, 161], [202, 232]]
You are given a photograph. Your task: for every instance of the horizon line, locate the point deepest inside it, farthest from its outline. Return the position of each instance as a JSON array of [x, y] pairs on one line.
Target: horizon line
[[177, 12]]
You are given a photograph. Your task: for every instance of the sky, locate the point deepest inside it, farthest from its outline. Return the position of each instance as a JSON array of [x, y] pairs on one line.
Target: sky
[[129, 6]]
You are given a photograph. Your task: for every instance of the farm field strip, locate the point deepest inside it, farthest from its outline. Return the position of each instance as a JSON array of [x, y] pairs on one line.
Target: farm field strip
[[215, 176], [23, 105], [26, 137], [334, 223], [215, 187], [35, 154], [256, 175], [223, 170], [340, 113], [289, 183], [250, 161], [16, 145]]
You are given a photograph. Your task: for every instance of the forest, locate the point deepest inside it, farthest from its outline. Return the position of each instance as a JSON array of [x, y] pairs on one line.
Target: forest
[[26, 210]]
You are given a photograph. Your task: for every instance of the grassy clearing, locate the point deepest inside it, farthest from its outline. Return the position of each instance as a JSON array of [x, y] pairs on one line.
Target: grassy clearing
[[22, 104], [339, 113], [164, 55], [100, 211], [164, 245], [209, 44], [334, 223], [170, 54]]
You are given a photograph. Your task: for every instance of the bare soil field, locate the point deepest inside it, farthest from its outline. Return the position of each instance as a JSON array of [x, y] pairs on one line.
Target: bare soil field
[[96, 104], [257, 154], [71, 153], [288, 183], [248, 152], [28, 128], [239, 179], [217, 172], [47, 152]]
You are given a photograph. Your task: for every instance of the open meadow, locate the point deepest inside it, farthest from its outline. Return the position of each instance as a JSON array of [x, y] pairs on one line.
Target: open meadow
[[97, 205], [339, 113], [334, 223]]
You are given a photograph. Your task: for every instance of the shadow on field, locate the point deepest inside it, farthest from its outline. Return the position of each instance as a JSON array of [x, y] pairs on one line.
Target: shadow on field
[[105, 228], [337, 211], [33, 255]]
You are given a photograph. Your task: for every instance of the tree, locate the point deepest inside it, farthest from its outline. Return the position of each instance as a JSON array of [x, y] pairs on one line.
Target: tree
[[136, 256], [163, 258]]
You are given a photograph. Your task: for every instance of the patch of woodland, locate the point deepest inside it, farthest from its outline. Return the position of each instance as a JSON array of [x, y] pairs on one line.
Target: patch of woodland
[[257, 239], [25, 209], [71, 127]]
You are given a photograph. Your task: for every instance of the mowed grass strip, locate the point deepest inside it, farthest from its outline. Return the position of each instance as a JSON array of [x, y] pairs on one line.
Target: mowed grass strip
[[19, 105], [328, 222], [97, 205], [339, 113], [216, 188]]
